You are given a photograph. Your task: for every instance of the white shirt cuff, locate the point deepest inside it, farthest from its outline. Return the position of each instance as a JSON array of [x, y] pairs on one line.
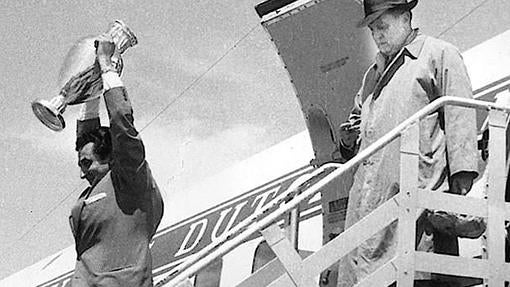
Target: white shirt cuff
[[111, 80]]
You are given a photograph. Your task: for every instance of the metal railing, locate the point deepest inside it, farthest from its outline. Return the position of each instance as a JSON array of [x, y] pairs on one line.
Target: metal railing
[[241, 231], [300, 272]]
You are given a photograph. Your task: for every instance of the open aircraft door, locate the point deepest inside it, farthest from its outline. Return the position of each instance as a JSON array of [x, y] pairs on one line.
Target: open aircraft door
[[326, 56]]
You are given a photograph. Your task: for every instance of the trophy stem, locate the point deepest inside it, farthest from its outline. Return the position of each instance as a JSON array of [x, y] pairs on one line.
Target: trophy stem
[[59, 103]]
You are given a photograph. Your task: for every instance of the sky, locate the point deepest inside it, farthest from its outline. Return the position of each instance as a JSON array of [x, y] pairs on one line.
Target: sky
[[207, 86]]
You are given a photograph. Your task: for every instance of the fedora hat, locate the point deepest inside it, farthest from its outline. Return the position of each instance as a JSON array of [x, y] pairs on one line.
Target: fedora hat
[[375, 8]]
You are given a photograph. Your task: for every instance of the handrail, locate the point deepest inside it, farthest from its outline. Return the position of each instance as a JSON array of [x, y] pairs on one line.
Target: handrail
[[202, 258], [241, 226]]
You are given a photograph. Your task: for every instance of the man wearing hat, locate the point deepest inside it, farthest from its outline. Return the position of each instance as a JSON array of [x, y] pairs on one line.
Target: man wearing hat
[[410, 71]]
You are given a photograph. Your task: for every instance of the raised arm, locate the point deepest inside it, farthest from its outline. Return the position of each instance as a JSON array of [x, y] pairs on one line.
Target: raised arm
[[128, 165], [88, 119]]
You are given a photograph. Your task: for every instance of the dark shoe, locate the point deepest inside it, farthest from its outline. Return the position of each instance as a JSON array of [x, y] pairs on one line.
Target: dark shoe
[[463, 226]]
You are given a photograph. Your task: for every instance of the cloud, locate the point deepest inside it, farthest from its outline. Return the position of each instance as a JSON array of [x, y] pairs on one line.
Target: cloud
[[44, 140], [177, 67], [179, 158]]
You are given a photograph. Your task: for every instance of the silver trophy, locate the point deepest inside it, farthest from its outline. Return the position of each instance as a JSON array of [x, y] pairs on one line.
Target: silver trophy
[[80, 76]]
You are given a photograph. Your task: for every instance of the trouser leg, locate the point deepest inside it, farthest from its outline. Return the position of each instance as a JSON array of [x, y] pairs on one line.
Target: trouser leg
[[449, 245]]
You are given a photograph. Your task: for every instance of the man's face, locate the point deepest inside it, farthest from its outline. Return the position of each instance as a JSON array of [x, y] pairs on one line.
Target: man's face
[[92, 167], [389, 32]]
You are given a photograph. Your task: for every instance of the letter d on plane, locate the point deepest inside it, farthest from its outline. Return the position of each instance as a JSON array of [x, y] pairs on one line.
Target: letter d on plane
[[202, 224]]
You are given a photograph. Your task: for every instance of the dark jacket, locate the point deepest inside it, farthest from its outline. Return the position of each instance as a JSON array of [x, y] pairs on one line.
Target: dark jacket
[[113, 221]]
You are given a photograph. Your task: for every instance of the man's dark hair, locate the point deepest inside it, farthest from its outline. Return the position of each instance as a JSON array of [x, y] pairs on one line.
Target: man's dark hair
[[101, 139]]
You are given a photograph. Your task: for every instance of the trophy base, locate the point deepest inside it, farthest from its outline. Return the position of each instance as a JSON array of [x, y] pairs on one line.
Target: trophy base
[[48, 116]]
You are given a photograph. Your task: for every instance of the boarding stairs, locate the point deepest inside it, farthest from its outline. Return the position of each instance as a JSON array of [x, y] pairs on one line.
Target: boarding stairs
[[402, 208]]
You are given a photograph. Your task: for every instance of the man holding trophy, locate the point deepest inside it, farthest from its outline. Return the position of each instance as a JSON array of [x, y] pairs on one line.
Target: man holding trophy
[[113, 220]]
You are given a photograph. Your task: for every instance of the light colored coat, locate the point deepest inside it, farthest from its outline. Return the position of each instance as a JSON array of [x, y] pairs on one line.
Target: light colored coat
[[424, 70]]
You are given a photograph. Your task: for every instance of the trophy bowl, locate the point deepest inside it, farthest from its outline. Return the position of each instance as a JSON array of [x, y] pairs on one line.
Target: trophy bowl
[[80, 75]]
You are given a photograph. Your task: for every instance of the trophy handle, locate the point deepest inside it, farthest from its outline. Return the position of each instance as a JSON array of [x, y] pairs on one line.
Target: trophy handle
[[50, 112], [122, 35]]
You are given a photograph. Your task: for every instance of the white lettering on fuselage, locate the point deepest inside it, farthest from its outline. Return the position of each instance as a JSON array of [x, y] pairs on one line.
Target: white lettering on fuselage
[[183, 249], [223, 214]]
